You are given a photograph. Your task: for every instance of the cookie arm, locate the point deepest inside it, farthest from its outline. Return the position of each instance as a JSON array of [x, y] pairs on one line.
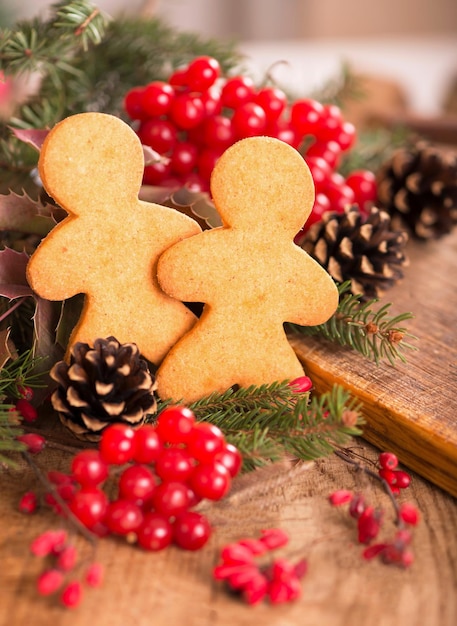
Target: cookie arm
[[52, 269]]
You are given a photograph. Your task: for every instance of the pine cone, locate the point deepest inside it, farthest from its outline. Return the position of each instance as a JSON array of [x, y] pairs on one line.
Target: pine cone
[[103, 385], [417, 186], [365, 251]]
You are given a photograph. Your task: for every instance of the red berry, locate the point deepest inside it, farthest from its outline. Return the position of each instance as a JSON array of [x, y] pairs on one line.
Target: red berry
[[67, 557], [368, 524], [171, 498], [25, 392], [147, 445], [409, 514], [205, 441], [133, 103], [156, 98], [175, 424], [363, 184], [175, 464], [155, 533], [274, 538], [237, 91], [191, 530], [388, 460], [272, 100], [339, 194], [123, 517], [27, 411], [341, 496], [330, 123], [237, 554], [202, 72], [187, 111], [89, 505], [137, 483], [230, 457], [178, 78], [72, 594], [184, 157], [211, 100], [117, 444], [48, 542], [210, 481], [402, 479], [218, 132], [94, 575], [357, 506], [345, 136], [207, 161], [88, 468], [372, 551], [305, 116], [156, 173], [49, 581], [160, 135], [302, 384], [35, 443], [388, 475], [249, 120], [320, 171], [28, 503], [256, 589], [330, 151]]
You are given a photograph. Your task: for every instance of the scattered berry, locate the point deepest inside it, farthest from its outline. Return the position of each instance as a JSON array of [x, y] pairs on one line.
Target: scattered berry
[[28, 503], [72, 594], [35, 443], [26, 410]]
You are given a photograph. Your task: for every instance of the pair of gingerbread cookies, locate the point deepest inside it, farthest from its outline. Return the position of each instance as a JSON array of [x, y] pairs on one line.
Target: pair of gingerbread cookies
[[138, 262]]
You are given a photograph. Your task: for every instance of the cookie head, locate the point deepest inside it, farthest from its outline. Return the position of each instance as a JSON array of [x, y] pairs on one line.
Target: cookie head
[[262, 182], [85, 155]]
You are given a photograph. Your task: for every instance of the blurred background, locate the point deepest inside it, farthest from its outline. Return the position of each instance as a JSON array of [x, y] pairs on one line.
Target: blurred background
[[411, 44]]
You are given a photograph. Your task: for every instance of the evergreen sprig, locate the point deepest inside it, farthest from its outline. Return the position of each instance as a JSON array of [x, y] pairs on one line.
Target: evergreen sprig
[[376, 334], [16, 373], [85, 61], [269, 422]]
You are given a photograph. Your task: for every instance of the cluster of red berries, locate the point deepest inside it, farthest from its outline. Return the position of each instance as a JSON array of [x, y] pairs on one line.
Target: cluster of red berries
[[369, 519], [397, 479], [195, 116], [160, 472], [62, 562], [279, 582]]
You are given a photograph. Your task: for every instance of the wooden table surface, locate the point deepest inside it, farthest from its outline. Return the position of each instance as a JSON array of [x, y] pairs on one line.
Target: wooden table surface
[[174, 587]]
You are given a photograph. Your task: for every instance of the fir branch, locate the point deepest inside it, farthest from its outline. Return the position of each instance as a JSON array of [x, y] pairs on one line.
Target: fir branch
[[15, 374], [374, 333], [269, 422]]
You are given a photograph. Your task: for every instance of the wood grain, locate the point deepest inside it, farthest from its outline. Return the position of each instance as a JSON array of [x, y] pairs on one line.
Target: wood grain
[[411, 408], [175, 587]]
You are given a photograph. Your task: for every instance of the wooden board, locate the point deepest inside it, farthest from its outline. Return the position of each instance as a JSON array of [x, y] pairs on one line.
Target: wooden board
[[411, 408]]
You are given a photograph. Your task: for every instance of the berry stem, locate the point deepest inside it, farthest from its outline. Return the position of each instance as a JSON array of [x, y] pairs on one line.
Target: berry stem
[[347, 456]]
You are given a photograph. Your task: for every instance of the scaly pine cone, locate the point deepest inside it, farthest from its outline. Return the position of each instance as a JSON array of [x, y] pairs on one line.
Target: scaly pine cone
[[417, 186], [365, 251], [103, 385]]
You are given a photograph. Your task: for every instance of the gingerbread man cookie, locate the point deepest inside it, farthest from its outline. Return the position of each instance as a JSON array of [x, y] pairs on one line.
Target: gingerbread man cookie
[[250, 274], [108, 246]]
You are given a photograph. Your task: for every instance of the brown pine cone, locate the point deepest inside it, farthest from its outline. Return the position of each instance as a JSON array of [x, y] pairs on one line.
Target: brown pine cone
[[365, 251], [109, 383], [417, 186]]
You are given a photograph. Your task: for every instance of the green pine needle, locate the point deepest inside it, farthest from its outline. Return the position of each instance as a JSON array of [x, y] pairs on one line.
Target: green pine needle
[[269, 422], [373, 333]]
